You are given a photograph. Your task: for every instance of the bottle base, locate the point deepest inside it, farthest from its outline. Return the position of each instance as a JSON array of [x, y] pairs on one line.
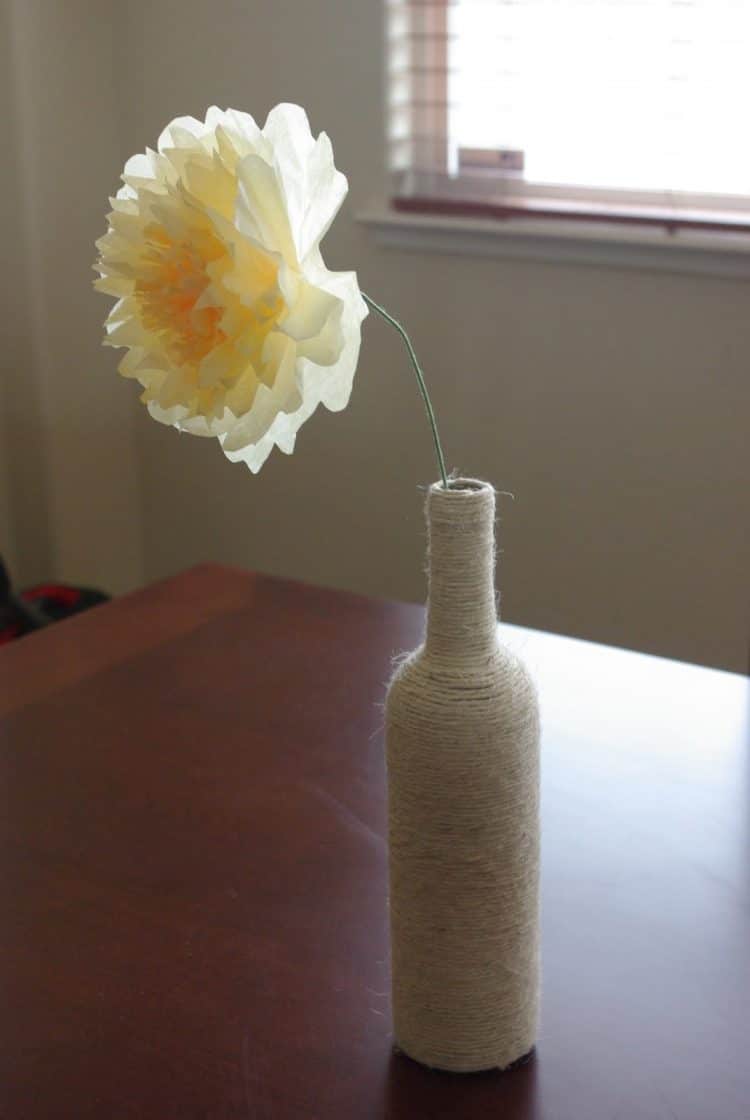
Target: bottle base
[[461, 1069]]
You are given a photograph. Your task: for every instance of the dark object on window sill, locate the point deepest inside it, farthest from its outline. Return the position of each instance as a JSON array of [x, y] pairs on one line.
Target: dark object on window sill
[[23, 612]]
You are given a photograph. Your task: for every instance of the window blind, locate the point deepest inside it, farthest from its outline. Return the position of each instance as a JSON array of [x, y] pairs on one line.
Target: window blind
[[636, 104]]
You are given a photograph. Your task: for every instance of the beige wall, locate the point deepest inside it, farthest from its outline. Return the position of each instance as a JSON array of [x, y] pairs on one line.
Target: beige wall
[[7, 527], [70, 447], [25, 539], [614, 404]]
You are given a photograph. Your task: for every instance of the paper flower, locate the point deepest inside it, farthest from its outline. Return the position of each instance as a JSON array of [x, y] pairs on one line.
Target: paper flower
[[234, 326]]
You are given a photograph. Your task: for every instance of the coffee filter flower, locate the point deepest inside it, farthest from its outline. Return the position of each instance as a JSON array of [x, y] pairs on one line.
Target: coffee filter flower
[[233, 325]]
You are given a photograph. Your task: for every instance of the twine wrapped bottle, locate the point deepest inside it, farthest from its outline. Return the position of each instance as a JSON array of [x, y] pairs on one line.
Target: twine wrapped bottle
[[462, 734]]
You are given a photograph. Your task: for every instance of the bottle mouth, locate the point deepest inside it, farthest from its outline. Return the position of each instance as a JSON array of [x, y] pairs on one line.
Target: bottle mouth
[[461, 487]]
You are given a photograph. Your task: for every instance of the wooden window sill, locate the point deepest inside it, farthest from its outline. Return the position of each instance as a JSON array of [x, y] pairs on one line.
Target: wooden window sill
[[563, 237]]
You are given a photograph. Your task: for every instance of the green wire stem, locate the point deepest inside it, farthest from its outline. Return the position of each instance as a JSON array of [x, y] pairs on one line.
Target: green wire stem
[[420, 381]]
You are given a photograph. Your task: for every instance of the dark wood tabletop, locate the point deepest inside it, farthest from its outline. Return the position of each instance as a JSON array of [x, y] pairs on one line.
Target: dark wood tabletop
[[193, 871]]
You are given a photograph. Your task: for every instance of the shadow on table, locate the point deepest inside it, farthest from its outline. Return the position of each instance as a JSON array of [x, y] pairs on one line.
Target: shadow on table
[[413, 1091]]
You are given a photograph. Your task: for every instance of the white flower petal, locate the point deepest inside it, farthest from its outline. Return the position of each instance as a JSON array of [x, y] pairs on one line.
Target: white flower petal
[[285, 441], [254, 425], [310, 183], [182, 132], [171, 416], [214, 118], [200, 426], [139, 167], [283, 395], [310, 313], [326, 190], [253, 455], [334, 382], [244, 126], [260, 210]]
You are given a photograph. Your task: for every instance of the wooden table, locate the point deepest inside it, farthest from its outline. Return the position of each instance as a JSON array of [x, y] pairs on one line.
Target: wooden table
[[194, 871]]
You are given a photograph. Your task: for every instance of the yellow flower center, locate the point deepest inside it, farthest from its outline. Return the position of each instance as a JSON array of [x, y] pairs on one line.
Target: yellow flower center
[[175, 276], [217, 343]]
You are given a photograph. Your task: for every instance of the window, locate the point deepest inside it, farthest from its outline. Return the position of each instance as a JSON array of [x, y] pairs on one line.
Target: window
[[627, 110]]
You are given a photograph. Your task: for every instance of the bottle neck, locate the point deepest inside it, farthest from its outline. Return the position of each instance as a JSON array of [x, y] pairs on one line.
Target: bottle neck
[[461, 612]]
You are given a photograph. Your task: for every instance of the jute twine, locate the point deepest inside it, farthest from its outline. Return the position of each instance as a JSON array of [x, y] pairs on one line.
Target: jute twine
[[463, 783]]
